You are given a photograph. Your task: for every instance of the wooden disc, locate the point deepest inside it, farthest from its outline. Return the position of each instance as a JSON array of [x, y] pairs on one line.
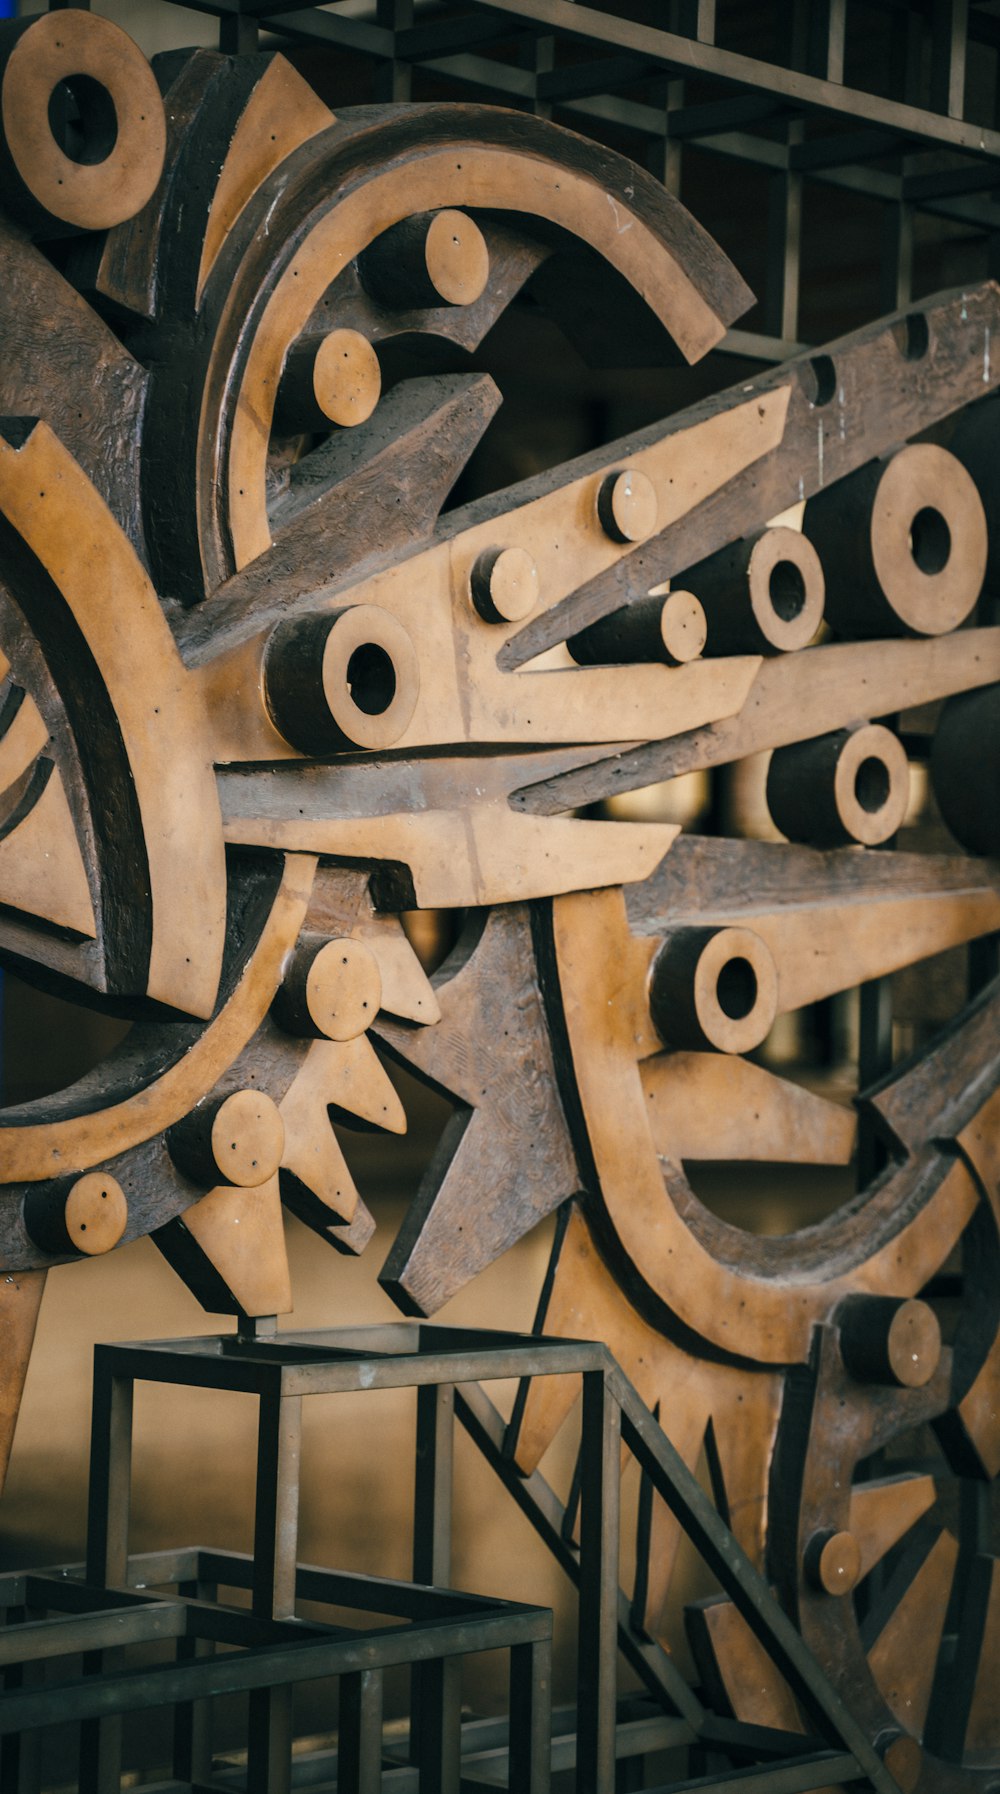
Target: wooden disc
[[833, 1562], [626, 505], [371, 676], [683, 627], [79, 60], [457, 259], [96, 1213], [913, 1346], [871, 785], [344, 989], [504, 585], [714, 987], [347, 378], [928, 539], [787, 589], [248, 1138]]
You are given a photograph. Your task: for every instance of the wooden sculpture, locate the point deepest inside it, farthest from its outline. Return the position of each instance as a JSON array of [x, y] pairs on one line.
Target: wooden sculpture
[[260, 695]]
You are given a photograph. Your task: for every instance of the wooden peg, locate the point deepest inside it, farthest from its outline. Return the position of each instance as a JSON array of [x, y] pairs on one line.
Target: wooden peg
[[762, 595], [713, 987], [87, 1214], [504, 585], [671, 629], [332, 989], [431, 258], [332, 379], [886, 1339], [965, 762], [853, 785], [627, 506], [236, 1139], [82, 125], [832, 1562], [904, 544], [347, 678]]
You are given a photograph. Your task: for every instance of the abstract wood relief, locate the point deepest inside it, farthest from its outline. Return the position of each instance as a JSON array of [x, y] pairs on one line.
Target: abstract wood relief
[[262, 692]]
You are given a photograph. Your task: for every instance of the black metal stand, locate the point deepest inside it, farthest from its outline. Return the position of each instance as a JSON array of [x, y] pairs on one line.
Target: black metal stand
[[174, 1595]]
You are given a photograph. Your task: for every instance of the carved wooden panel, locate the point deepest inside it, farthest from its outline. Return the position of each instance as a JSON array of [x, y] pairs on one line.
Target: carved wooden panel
[[262, 693]]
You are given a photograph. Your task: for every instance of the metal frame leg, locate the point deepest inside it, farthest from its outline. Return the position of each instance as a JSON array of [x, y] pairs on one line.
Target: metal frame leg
[[109, 1503], [275, 1549], [530, 1769], [433, 1485], [600, 1505], [440, 1728], [359, 1754]]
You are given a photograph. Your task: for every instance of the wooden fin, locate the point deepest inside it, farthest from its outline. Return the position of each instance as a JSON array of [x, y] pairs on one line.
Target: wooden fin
[[229, 1249], [718, 1106], [42, 873], [734, 1664], [906, 1675], [407, 991], [315, 1181], [282, 112], [347, 1076], [20, 1299], [881, 1512]]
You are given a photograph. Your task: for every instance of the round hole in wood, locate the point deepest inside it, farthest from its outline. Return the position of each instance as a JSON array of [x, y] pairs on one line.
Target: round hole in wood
[[736, 989], [930, 540], [788, 590], [371, 679], [83, 120]]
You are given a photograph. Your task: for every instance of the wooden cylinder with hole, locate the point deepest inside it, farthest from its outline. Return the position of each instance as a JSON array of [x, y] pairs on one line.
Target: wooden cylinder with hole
[[965, 768], [503, 585], [229, 1139], [87, 1215], [331, 990], [889, 1339], [346, 678], [429, 259], [331, 379], [713, 988], [82, 127], [832, 1562], [903, 542], [850, 786], [762, 595], [627, 505], [670, 629]]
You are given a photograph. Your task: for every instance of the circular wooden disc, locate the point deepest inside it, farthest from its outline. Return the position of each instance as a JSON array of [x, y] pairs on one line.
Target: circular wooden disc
[[787, 588], [371, 676], [735, 990], [626, 505], [871, 784], [457, 259], [504, 585], [248, 1138], [914, 1344], [833, 1562], [96, 1213], [347, 378], [344, 989], [123, 128], [928, 539], [683, 626]]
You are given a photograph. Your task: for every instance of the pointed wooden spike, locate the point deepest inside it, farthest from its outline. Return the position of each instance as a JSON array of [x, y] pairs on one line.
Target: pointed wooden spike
[[315, 1181], [283, 112], [881, 1512], [229, 1248], [354, 1085], [352, 1239], [20, 1299], [406, 989], [906, 1675], [42, 873], [717, 1105], [734, 1663]]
